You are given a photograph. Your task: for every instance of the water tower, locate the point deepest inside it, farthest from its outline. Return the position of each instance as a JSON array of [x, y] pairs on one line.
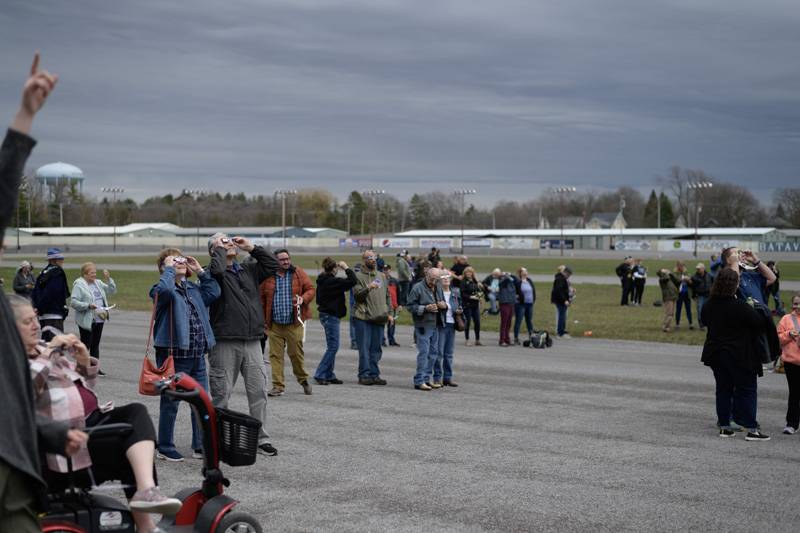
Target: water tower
[[55, 178]]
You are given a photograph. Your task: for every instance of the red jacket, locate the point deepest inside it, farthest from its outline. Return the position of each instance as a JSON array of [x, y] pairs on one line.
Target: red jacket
[[301, 286]]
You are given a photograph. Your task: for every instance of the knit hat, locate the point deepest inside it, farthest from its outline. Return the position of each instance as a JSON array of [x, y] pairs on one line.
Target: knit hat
[[54, 253], [25, 264]]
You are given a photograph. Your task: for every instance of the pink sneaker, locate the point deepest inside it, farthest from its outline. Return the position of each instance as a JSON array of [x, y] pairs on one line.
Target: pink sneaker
[[152, 501]]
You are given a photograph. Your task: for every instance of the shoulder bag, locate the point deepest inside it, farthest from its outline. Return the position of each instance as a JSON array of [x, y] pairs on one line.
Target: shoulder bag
[[150, 372]]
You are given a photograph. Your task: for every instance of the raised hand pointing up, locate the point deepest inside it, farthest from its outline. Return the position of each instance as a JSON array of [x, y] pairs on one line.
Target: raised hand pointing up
[[37, 88]]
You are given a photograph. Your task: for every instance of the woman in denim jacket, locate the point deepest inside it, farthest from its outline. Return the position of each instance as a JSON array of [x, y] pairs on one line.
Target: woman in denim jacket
[[181, 329]]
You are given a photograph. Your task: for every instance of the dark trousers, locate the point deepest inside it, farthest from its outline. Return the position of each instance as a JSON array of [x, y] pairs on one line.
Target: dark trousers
[[91, 338], [506, 312], [561, 319], [521, 310], [793, 409], [402, 292], [55, 323], [472, 314], [638, 290], [627, 291], [737, 395], [683, 300]]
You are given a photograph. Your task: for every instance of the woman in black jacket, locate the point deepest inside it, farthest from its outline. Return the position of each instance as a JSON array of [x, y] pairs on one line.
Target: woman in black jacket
[[730, 351], [331, 306], [471, 296]]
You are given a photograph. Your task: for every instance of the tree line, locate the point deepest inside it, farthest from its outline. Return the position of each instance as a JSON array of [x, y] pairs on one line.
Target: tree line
[[675, 201]]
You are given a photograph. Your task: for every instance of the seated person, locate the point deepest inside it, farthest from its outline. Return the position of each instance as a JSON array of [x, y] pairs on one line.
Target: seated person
[[63, 391]]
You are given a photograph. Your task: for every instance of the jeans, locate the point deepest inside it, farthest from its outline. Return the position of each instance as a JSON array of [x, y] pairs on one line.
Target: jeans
[[402, 292], [390, 329], [353, 336], [330, 324], [493, 310], [168, 408], [443, 365], [701, 301], [472, 314], [519, 311], [427, 351], [368, 338], [737, 395], [683, 301], [561, 319], [793, 408], [506, 312]]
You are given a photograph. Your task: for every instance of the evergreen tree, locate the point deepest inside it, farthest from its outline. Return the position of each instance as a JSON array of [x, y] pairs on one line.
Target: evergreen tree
[[667, 215], [650, 218], [420, 212]]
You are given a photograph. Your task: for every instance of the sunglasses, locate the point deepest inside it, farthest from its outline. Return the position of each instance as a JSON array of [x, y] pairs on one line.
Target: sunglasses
[[180, 260], [225, 240]]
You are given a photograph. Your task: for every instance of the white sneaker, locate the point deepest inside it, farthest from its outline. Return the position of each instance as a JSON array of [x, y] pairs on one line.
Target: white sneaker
[[565, 336], [789, 430]]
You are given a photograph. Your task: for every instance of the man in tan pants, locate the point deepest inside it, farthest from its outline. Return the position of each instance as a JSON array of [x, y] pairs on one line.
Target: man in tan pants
[[281, 295], [669, 294]]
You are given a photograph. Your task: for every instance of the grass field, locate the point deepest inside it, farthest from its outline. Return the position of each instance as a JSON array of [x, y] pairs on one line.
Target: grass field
[[790, 270], [596, 309]]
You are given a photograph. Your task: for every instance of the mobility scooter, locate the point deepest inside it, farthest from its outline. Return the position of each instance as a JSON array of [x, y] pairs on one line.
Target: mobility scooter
[[228, 437]]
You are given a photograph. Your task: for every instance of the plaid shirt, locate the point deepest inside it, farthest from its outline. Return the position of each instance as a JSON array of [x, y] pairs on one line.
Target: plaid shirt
[[57, 398], [282, 301], [197, 337]]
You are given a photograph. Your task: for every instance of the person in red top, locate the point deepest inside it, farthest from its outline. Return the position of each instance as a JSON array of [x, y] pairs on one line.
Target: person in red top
[[789, 337], [392, 286], [286, 297]]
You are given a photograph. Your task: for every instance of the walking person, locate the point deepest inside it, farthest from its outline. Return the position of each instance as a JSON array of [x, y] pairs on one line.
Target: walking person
[[286, 296], [561, 297], [446, 333], [181, 328], [425, 302], [90, 300], [669, 295], [682, 280], [23, 280], [789, 337], [404, 276], [237, 318], [639, 281], [50, 294], [526, 297], [331, 307], [729, 350], [701, 287], [507, 298], [371, 314], [472, 292]]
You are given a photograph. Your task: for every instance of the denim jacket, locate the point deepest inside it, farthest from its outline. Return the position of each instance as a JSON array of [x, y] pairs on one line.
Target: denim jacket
[[199, 296], [420, 296]]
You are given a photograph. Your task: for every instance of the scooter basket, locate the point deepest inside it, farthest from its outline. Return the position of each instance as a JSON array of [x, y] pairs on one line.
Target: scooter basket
[[238, 437]]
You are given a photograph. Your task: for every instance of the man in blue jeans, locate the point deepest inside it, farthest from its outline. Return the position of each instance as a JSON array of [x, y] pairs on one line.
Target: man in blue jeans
[[425, 302], [371, 314], [559, 297]]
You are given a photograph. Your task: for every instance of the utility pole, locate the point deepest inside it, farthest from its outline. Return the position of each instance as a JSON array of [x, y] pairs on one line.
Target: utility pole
[[461, 193], [283, 193], [377, 193], [561, 191], [114, 191], [697, 186], [196, 193]]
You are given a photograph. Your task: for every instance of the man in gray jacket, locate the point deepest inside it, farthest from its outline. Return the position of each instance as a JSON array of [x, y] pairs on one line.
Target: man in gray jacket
[[237, 319], [403, 277], [425, 302], [371, 313]]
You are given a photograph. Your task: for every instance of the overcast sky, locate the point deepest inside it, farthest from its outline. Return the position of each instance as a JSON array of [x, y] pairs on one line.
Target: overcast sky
[[508, 97]]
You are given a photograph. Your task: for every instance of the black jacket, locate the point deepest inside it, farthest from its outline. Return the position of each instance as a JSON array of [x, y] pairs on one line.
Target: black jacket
[[471, 293], [734, 328], [51, 291], [23, 432], [701, 285], [330, 292], [237, 314], [560, 292]]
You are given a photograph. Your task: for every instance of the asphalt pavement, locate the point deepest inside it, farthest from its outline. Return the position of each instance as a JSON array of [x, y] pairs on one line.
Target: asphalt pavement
[[589, 435]]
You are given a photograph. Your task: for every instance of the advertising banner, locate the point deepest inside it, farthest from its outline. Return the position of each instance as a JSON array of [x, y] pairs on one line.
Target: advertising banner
[[395, 243], [355, 243], [555, 244], [514, 243], [444, 244], [477, 243], [779, 246], [633, 245], [703, 245]]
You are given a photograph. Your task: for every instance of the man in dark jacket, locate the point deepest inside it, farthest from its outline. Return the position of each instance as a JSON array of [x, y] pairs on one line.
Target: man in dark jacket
[[50, 293], [237, 318], [559, 297], [21, 483], [425, 303], [624, 272], [701, 286], [331, 307]]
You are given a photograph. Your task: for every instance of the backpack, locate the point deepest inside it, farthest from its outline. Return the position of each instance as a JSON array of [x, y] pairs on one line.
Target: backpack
[[539, 339]]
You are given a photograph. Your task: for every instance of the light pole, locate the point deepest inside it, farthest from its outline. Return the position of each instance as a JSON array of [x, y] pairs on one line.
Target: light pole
[[23, 187], [283, 193], [377, 193], [461, 193], [114, 191], [697, 186], [561, 191], [195, 194]]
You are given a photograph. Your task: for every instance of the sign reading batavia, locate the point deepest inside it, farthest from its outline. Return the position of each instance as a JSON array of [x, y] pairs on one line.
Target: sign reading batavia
[[779, 246]]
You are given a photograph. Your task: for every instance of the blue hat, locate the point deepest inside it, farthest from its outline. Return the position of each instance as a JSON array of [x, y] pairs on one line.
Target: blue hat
[[54, 253]]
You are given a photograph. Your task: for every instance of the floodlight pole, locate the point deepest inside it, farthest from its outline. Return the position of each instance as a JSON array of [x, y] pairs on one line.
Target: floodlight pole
[[461, 193], [283, 193], [113, 191], [561, 191], [697, 185], [377, 193]]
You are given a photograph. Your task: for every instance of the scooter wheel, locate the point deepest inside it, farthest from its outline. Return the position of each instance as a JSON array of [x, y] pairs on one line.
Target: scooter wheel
[[238, 522]]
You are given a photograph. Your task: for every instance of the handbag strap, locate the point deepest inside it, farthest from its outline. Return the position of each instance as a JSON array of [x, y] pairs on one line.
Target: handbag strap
[[152, 326]]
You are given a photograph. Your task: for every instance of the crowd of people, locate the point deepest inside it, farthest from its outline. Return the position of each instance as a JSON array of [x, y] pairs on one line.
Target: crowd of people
[[246, 314]]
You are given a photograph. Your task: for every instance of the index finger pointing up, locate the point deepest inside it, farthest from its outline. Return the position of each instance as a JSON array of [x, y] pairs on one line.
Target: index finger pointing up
[[35, 64]]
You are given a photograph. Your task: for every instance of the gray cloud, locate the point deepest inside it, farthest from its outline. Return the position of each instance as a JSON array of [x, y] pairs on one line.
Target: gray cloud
[[411, 96]]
